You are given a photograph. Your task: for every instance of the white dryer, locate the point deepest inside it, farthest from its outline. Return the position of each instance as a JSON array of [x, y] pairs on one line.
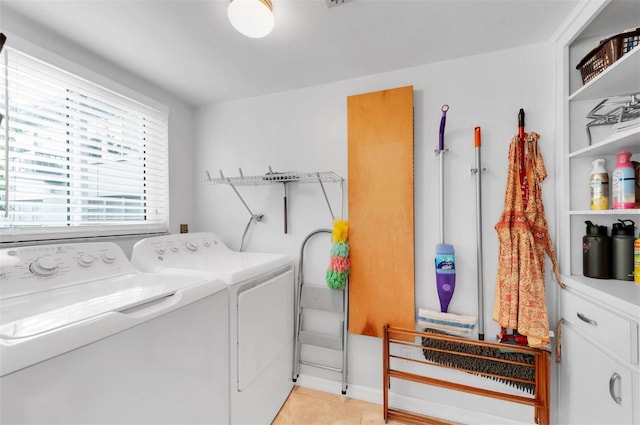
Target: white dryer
[[85, 338], [261, 306]]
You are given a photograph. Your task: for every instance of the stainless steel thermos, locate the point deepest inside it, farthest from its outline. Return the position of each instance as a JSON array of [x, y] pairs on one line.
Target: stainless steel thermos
[[607, 257], [622, 238], [596, 252]]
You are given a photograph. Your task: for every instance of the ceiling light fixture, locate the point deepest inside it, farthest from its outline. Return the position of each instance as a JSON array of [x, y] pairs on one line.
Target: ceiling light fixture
[[253, 18]]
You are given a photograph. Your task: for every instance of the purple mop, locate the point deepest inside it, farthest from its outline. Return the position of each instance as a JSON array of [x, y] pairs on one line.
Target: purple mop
[[442, 320], [445, 253]]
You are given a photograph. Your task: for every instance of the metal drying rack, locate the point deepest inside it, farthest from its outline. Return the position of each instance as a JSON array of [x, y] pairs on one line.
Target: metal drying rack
[[615, 110], [272, 177]]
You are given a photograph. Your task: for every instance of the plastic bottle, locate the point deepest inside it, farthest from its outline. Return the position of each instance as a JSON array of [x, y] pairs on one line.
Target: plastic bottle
[[445, 274], [636, 260], [596, 252], [623, 193], [622, 241], [599, 183]]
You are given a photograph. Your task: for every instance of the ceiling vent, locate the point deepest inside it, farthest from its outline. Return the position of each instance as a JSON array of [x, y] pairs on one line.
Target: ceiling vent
[[332, 3]]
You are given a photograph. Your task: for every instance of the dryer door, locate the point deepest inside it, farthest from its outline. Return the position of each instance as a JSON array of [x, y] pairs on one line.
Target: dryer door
[[265, 326]]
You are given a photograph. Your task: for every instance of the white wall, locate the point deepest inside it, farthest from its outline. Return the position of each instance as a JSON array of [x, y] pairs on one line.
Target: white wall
[[28, 36], [306, 130]]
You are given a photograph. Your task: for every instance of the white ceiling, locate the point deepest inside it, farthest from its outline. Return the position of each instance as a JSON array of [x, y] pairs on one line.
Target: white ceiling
[[189, 48]]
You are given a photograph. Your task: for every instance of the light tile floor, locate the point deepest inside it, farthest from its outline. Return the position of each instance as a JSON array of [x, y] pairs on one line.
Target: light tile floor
[[309, 407]]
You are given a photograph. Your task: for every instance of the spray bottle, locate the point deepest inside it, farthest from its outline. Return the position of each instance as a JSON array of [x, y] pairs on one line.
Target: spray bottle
[[599, 186], [445, 274], [624, 195]]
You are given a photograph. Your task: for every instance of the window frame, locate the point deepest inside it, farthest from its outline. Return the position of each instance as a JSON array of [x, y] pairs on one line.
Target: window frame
[[13, 234]]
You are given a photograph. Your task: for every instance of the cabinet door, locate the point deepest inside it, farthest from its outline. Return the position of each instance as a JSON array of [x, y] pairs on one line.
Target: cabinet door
[[589, 382]]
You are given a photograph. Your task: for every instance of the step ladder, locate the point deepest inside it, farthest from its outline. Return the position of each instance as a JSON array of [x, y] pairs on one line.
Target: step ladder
[[323, 298]]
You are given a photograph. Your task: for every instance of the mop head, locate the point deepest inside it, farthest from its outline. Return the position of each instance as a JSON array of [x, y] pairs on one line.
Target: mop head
[[447, 322], [339, 264], [509, 367], [512, 368]]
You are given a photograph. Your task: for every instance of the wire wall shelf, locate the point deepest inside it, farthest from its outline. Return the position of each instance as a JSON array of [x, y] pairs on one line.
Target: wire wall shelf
[[272, 177]]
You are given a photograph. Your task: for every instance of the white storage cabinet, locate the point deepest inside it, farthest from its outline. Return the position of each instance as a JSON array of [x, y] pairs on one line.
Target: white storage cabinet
[[598, 370]]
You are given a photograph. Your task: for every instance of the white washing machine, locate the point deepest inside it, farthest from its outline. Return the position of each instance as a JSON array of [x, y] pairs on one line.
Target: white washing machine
[[85, 338], [261, 291]]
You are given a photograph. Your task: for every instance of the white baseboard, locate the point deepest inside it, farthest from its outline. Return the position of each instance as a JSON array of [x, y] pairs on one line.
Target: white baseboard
[[372, 395]]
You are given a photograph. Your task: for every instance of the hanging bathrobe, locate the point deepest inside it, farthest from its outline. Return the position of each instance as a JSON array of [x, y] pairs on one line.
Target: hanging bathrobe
[[523, 236]]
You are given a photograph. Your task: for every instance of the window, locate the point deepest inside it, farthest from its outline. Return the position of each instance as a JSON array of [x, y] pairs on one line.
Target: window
[[76, 157]]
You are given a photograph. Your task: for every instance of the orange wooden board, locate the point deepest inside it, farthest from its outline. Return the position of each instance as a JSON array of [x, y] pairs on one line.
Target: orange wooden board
[[381, 220]]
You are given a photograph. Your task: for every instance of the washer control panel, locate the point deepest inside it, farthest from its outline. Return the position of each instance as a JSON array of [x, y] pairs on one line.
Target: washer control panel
[[155, 253], [31, 269]]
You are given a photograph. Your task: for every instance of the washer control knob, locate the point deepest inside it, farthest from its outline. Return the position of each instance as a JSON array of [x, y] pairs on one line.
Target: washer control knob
[[85, 260], [173, 248], [108, 257], [44, 266], [191, 246], [206, 243], [160, 250]]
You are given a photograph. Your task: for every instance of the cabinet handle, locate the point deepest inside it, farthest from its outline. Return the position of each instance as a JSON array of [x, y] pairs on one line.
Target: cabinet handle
[[586, 319], [559, 340], [615, 377]]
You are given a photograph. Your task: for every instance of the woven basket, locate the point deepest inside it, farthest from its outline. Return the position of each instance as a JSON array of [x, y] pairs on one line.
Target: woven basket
[[609, 51]]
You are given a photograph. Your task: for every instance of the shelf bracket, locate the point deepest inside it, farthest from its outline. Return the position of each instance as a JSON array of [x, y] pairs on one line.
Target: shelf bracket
[[326, 198], [256, 217]]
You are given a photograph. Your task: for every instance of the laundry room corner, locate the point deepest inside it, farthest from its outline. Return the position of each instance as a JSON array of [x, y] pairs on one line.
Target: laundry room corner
[[305, 130], [361, 212]]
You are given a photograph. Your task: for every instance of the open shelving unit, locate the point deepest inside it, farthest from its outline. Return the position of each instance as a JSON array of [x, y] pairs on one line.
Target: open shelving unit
[[619, 79], [598, 318]]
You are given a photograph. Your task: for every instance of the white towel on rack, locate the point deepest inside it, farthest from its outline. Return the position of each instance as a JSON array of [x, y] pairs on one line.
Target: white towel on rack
[[447, 322]]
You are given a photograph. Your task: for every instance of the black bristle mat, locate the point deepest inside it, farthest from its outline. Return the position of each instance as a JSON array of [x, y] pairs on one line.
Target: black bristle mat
[[457, 356]]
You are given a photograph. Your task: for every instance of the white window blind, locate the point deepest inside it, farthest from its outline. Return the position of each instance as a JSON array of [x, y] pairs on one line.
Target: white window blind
[[74, 154]]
